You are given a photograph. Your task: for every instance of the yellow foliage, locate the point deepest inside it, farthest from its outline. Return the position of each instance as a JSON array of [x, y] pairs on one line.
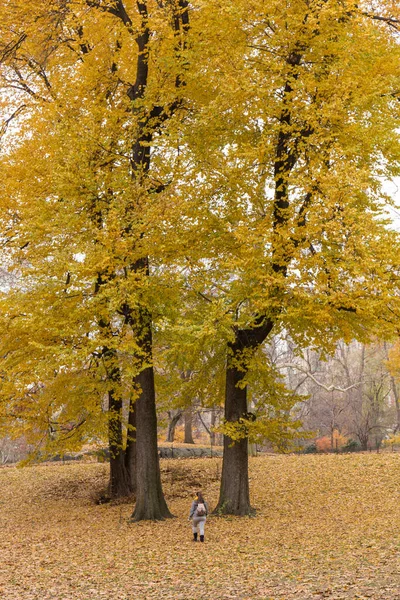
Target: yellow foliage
[[392, 441], [263, 201]]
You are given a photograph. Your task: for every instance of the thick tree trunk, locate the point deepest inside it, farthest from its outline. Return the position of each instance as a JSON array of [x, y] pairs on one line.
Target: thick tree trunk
[[172, 425], [119, 486], [188, 416], [148, 122], [234, 495], [150, 501], [119, 481]]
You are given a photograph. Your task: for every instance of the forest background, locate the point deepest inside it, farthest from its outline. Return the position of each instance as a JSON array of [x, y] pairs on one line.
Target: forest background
[[193, 202]]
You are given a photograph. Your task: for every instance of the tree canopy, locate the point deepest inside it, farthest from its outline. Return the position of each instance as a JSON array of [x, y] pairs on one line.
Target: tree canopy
[[177, 194]]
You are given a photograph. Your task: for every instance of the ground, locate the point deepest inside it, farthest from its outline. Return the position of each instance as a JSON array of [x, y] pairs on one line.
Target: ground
[[326, 527]]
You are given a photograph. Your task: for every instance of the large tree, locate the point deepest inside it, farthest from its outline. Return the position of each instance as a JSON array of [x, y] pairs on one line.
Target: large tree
[[93, 85], [268, 203], [297, 128]]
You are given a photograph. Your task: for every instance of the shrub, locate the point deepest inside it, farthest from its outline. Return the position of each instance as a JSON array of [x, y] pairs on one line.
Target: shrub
[[351, 446], [310, 449], [324, 444]]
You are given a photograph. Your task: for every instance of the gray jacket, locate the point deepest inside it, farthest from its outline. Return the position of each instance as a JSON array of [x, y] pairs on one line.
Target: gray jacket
[[193, 510]]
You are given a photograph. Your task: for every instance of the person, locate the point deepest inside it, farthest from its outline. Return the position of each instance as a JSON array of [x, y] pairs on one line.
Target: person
[[198, 512]]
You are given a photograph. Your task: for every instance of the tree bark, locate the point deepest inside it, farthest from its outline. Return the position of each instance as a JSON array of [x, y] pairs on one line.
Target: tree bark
[[119, 483], [234, 497], [234, 492], [150, 501], [188, 416], [119, 480]]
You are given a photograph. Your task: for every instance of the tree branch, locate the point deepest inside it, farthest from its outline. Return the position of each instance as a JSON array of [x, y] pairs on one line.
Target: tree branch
[[10, 48], [202, 422], [330, 388], [391, 21], [6, 122], [117, 9]]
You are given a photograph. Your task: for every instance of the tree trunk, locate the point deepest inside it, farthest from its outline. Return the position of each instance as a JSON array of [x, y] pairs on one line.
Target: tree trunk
[[397, 403], [130, 451], [234, 492], [188, 416], [172, 425], [150, 501], [119, 486], [119, 480], [234, 495]]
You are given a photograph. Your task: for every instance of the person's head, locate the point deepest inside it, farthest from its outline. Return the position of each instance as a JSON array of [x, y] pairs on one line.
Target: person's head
[[199, 497]]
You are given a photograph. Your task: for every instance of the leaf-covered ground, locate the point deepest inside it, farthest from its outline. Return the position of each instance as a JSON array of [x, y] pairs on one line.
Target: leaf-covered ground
[[326, 527]]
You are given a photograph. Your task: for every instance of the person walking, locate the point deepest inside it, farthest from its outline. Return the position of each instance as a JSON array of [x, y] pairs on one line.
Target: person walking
[[198, 512]]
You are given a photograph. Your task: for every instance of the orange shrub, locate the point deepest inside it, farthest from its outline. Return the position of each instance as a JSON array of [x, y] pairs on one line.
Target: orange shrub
[[324, 444]]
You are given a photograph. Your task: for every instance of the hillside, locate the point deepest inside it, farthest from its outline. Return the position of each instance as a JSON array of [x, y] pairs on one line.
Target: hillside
[[326, 527]]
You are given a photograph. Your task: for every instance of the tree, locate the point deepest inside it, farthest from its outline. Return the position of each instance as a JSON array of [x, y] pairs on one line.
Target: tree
[[348, 393], [392, 357], [261, 193], [188, 416], [369, 407], [95, 128], [296, 130], [174, 417]]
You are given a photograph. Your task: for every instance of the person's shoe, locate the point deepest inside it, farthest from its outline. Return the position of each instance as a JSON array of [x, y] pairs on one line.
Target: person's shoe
[[195, 537], [202, 538]]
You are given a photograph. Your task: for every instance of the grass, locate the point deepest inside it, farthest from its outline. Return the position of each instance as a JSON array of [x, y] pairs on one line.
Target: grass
[[326, 527]]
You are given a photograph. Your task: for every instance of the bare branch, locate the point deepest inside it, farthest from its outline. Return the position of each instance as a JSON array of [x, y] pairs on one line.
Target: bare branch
[[330, 388], [202, 422]]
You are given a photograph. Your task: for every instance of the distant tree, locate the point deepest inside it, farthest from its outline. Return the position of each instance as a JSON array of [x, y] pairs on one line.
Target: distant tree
[[350, 393]]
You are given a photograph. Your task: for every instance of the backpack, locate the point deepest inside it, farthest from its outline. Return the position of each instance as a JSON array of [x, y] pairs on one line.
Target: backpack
[[200, 510]]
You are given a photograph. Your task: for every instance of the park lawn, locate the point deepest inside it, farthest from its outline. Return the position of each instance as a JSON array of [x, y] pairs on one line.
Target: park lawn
[[326, 527]]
